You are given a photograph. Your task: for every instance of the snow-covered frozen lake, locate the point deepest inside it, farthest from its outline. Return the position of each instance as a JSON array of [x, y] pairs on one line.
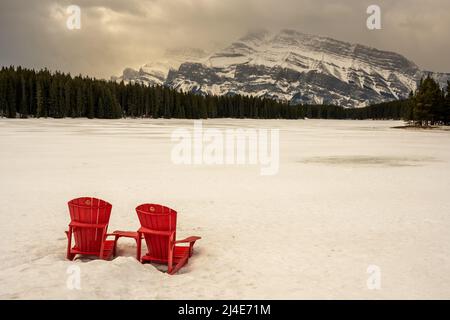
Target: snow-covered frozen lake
[[348, 195]]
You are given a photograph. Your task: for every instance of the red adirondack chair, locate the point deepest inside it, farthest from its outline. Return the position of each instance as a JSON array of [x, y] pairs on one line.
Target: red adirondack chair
[[88, 226], [158, 227]]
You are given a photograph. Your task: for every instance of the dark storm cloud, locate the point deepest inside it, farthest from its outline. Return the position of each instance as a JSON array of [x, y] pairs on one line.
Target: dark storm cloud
[[119, 33]]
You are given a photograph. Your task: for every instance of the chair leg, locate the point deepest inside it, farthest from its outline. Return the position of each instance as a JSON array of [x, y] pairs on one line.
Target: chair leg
[[191, 249], [70, 256], [116, 238], [179, 265], [138, 247]]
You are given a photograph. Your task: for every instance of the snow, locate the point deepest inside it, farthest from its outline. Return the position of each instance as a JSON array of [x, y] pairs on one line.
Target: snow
[[156, 72], [366, 67], [349, 194]]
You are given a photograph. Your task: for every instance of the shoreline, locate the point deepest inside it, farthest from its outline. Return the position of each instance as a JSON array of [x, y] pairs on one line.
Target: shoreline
[[409, 127]]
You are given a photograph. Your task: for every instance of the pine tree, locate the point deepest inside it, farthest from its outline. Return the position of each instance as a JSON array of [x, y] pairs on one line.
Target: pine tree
[[3, 92], [203, 113], [11, 98], [79, 110], [147, 104], [39, 99], [90, 103], [187, 102], [408, 109], [179, 110], [100, 109], [23, 110], [427, 101], [131, 101], [447, 105], [167, 104], [53, 99], [156, 102], [67, 98], [32, 94], [195, 107], [212, 109]]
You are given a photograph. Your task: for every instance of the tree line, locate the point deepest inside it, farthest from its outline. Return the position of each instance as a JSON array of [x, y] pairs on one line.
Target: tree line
[[428, 105], [29, 93]]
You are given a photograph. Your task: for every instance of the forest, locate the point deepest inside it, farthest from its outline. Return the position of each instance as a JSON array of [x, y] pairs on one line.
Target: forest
[[28, 93]]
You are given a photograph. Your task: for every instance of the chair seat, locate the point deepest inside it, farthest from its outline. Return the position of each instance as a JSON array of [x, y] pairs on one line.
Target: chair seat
[[179, 254], [180, 251], [107, 250]]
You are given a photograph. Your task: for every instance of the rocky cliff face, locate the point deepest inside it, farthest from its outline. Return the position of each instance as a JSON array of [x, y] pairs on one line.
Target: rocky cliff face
[[155, 73], [290, 66]]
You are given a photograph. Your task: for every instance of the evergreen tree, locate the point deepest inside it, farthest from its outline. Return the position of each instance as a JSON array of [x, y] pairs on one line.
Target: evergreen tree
[[40, 109], [100, 109], [32, 94], [80, 103], [24, 99], [194, 104], [408, 108], [203, 112], [67, 98], [11, 98], [167, 103], [447, 105], [427, 102], [212, 107], [3, 91], [179, 109], [53, 99], [147, 103], [90, 103]]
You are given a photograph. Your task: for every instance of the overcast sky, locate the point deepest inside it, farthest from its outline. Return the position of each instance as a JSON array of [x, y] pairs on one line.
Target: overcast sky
[[119, 33]]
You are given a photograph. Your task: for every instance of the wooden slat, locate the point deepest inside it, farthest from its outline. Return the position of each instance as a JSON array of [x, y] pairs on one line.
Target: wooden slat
[[162, 219], [89, 211]]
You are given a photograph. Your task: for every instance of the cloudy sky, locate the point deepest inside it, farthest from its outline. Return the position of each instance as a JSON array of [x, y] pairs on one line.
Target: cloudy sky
[[119, 33]]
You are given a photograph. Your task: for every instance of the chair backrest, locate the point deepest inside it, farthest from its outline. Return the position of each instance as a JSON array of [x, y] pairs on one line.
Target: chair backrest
[[89, 211], [159, 218]]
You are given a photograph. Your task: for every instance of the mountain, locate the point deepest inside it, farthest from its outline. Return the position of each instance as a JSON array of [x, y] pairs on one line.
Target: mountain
[[290, 66], [155, 73]]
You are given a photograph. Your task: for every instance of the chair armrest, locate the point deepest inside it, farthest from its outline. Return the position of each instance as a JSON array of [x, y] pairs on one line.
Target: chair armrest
[[156, 232], [188, 240], [191, 241], [74, 224], [126, 234]]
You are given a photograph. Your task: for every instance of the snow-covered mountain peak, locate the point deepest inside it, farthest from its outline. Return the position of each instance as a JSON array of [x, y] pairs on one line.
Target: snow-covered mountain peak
[[156, 72], [289, 65]]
